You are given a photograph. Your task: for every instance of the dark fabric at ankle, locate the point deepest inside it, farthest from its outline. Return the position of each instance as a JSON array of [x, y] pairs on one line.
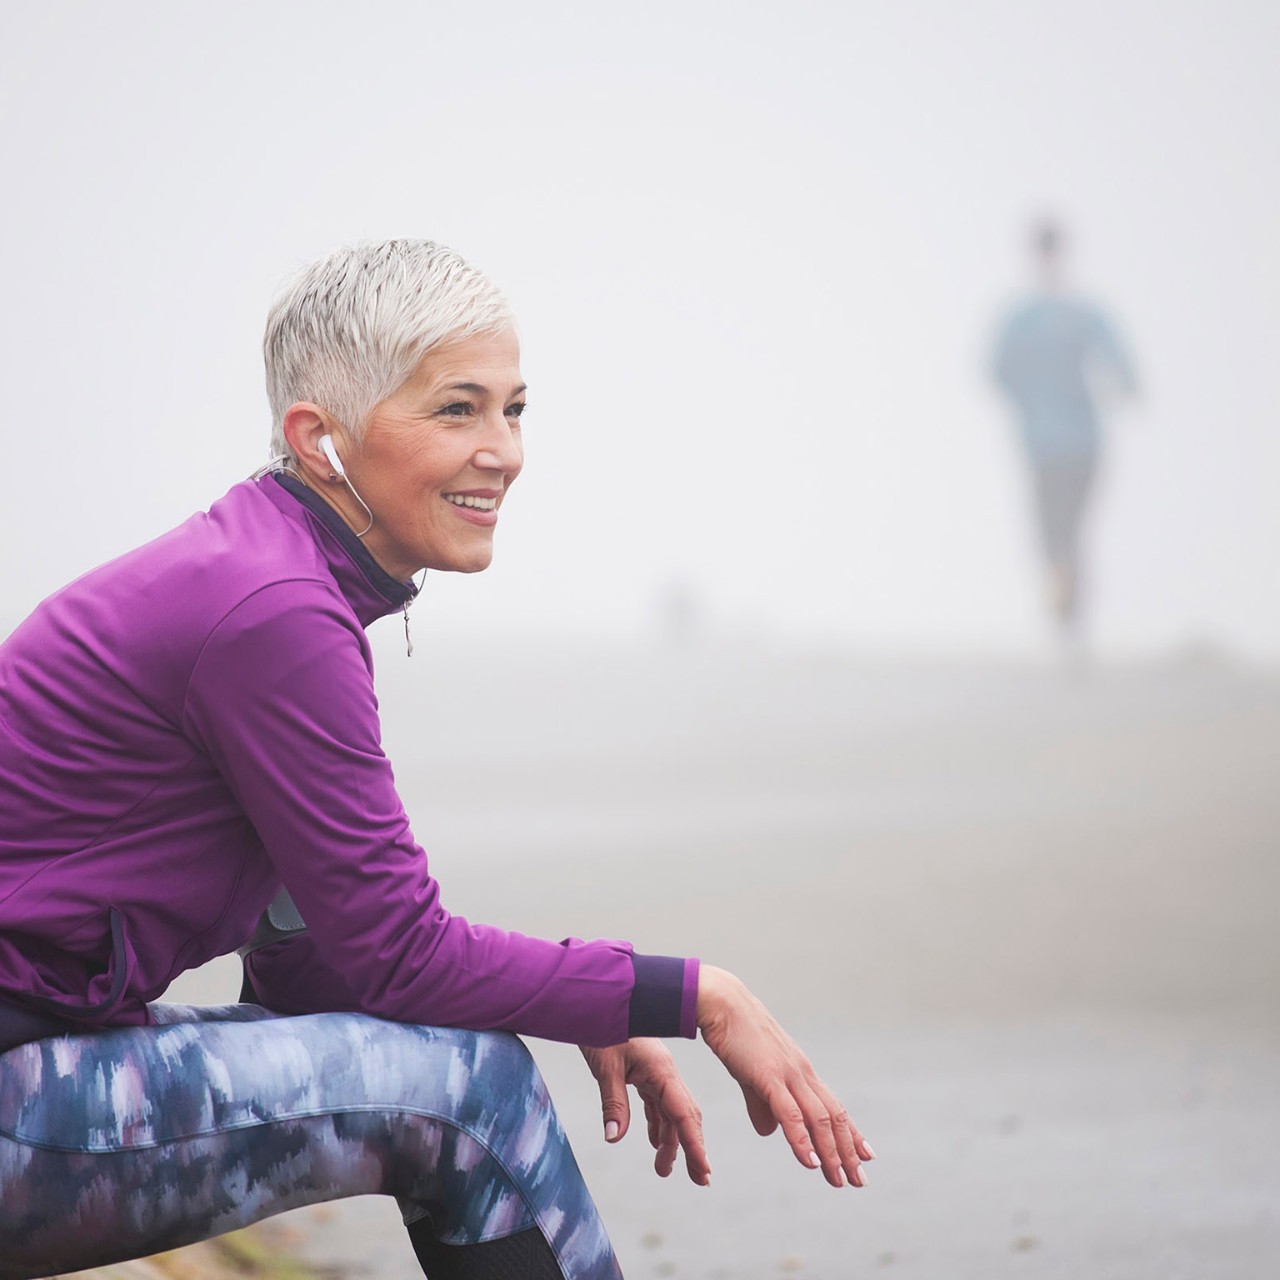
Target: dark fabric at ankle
[[523, 1256]]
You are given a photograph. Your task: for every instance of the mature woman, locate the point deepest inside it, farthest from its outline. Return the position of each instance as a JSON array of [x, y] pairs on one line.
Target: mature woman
[[190, 742]]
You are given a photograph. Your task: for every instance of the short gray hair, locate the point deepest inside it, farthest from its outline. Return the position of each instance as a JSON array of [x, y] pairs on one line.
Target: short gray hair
[[347, 331]]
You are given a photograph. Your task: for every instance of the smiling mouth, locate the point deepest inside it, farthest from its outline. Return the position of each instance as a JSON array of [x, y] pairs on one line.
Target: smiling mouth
[[466, 500]]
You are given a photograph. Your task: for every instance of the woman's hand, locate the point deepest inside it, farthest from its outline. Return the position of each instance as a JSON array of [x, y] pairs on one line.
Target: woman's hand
[[777, 1080], [673, 1117]]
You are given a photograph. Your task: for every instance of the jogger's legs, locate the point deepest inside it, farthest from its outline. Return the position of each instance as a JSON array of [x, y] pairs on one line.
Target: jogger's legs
[[1062, 492]]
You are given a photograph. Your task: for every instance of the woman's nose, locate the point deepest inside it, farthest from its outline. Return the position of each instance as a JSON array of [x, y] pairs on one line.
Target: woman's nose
[[501, 449]]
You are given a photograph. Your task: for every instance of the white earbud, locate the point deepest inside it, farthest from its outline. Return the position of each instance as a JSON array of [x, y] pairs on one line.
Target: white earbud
[[325, 444]]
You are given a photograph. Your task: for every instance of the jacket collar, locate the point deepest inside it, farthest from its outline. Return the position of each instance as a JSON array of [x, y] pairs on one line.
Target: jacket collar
[[370, 590]]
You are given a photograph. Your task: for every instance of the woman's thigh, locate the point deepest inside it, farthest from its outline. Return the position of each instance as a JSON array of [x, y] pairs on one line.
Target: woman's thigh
[[135, 1140]]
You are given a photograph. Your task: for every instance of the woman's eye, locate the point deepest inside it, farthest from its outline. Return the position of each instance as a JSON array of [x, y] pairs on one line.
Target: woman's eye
[[515, 410], [459, 409]]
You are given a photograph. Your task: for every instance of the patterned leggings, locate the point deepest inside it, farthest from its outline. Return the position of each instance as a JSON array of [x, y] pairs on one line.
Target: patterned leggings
[[128, 1142]]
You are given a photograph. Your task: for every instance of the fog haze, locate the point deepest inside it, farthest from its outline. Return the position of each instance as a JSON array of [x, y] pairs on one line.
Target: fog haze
[[1023, 921], [757, 253]]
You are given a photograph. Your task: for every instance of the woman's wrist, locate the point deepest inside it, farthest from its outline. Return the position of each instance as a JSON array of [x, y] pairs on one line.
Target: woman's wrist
[[717, 989]]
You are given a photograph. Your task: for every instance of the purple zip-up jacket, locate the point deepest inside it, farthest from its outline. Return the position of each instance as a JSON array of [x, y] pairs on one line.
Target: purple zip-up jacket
[[191, 725]]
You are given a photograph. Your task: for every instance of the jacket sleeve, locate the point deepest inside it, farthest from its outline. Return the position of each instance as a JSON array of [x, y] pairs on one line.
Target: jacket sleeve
[[281, 699]]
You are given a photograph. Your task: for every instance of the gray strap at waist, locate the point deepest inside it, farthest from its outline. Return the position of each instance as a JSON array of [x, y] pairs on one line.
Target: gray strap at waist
[[279, 921]]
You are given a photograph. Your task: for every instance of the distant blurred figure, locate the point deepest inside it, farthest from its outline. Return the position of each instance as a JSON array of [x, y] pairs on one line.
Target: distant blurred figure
[[1056, 357]]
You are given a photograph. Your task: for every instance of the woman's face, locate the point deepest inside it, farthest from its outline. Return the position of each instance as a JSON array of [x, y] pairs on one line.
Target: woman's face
[[439, 455]]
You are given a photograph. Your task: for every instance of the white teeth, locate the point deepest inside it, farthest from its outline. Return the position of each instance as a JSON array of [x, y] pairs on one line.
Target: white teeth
[[466, 500]]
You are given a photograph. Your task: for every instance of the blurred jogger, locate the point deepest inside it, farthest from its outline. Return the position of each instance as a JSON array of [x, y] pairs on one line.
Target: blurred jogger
[[1057, 357]]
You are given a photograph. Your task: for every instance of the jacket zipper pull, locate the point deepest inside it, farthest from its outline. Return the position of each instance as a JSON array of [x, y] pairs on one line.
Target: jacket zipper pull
[[408, 639]]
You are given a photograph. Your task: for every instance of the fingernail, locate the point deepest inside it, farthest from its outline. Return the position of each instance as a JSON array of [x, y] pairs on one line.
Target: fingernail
[[861, 1178], [814, 1159], [706, 1181], [611, 1131], [871, 1151]]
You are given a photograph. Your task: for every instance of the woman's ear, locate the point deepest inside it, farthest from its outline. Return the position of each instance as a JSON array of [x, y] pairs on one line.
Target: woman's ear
[[304, 426]]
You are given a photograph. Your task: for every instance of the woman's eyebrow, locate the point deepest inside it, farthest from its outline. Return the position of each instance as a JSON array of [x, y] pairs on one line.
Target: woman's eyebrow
[[477, 390]]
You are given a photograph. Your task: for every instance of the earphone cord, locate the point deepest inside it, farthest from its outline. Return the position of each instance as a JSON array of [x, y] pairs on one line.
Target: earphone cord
[[277, 462], [281, 463], [362, 502]]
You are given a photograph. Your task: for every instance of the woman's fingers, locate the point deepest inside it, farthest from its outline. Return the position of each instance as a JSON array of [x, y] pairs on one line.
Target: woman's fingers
[[672, 1117], [853, 1148], [610, 1070], [820, 1132], [815, 1125], [679, 1127], [653, 1118], [663, 1138], [829, 1134], [667, 1150], [759, 1111], [804, 1136], [695, 1150]]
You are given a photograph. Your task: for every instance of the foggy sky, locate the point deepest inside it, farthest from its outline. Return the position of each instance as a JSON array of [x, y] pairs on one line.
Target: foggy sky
[[757, 252]]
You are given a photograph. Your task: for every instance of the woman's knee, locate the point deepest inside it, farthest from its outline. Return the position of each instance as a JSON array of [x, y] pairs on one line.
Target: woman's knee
[[505, 1054], [482, 1072]]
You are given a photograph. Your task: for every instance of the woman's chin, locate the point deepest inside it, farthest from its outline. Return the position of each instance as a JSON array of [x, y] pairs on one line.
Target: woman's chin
[[473, 560]]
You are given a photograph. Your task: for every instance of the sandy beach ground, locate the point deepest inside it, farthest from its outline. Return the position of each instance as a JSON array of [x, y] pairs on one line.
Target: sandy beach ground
[[1024, 920]]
